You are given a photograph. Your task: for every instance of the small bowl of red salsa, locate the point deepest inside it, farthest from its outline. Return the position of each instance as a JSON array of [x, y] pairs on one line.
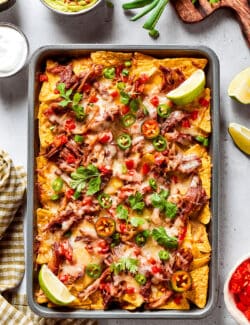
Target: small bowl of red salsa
[[237, 291]]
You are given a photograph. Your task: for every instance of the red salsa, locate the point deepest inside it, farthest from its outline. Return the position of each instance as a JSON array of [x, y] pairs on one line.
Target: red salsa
[[239, 286]]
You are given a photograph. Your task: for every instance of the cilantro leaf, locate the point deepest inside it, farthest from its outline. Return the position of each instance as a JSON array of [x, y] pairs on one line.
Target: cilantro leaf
[[170, 210], [76, 98], [122, 213], [125, 264], [136, 201], [86, 176], [94, 185], [162, 238], [158, 200], [137, 221]]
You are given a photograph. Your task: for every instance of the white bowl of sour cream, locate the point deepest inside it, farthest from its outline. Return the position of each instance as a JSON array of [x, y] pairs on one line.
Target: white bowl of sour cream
[[14, 50]]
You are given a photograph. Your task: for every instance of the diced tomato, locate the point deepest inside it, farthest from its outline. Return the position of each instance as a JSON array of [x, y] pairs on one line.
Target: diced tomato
[[125, 109], [104, 139], [104, 247], [143, 78], [204, 102], [86, 88], [70, 125], [56, 91], [247, 314], [87, 201], [154, 101], [59, 140], [114, 93], [93, 99], [70, 159], [158, 158], [43, 77], [185, 123], [124, 78], [130, 164], [156, 269], [177, 299], [123, 227], [137, 251], [194, 115], [151, 260], [130, 290], [118, 69], [65, 250], [49, 111], [145, 169], [104, 170], [174, 179], [64, 277], [241, 306], [182, 233], [105, 287], [239, 285], [69, 193]]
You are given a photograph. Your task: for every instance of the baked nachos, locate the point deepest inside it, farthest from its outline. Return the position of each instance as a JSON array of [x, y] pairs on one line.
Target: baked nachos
[[123, 176]]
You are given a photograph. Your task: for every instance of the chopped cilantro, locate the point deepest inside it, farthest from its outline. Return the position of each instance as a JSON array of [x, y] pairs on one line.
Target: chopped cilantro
[[125, 264]]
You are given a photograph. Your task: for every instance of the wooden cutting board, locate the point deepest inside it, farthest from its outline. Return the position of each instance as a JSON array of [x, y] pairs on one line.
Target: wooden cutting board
[[193, 13]]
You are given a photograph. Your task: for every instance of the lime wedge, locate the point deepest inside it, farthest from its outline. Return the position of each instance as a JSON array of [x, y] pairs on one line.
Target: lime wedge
[[239, 87], [189, 89], [53, 288], [241, 136]]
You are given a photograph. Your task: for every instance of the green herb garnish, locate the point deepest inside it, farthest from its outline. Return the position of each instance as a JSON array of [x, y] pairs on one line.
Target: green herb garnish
[[86, 177], [136, 202], [162, 238], [125, 264]]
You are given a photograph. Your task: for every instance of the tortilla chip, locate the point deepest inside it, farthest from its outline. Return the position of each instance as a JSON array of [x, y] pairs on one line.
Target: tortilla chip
[[79, 66], [200, 261], [45, 134], [205, 215], [45, 175], [205, 169], [198, 292], [47, 93], [183, 304], [109, 59], [200, 237], [132, 301]]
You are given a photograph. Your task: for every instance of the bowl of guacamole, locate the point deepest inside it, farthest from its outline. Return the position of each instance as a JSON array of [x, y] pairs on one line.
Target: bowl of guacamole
[[71, 7]]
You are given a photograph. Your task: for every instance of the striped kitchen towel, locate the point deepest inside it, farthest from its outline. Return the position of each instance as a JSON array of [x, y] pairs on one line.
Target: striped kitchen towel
[[13, 307]]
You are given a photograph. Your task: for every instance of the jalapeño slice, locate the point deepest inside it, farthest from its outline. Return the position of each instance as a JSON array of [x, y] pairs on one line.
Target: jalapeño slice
[[150, 129], [105, 200], [124, 141], [93, 270], [105, 226], [160, 143], [181, 281], [164, 110], [128, 120]]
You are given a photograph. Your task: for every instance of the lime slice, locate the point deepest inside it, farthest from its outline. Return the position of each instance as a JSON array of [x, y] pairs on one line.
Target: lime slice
[[53, 288], [241, 136], [189, 89], [239, 87]]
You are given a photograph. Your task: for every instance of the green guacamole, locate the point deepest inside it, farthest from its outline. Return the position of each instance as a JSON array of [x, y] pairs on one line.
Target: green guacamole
[[70, 6]]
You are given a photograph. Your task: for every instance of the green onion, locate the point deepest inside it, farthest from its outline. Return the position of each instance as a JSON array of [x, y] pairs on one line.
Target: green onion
[[163, 255], [125, 72], [146, 10], [127, 64], [78, 138], [109, 73], [155, 16], [121, 85], [54, 197], [154, 33], [135, 4]]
